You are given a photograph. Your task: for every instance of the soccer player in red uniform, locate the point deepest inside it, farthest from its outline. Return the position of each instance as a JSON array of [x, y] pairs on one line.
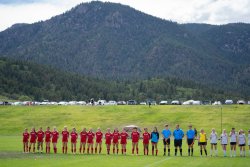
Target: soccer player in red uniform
[[40, 136], [108, 137], [116, 137], [33, 137], [124, 136], [65, 137], [98, 141], [90, 140], [135, 135], [26, 136], [55, 136], [74, 136], [146, 138], [83, 136], [48, 139]]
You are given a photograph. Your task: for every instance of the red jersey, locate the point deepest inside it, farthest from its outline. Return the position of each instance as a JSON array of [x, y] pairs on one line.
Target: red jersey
[[33, 137], [146, 137], [108, 137], [65, 136], [73, 137], [135, 137], [47, 136], [83, 136], [40, 136], [116, 137], [124, 136], [55, 136], [26, 136], [98, 137], [90, 137]]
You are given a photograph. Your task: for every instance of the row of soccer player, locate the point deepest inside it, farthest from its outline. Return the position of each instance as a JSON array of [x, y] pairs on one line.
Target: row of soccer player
[[113, 138]]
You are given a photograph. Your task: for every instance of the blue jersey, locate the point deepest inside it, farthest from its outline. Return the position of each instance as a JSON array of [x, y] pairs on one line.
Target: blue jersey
[[154, 137], [190, 134], [178, 134], [166, 133]]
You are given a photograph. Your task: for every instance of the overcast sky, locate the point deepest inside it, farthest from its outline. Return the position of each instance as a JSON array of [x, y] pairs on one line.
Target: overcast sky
[[182, 11]]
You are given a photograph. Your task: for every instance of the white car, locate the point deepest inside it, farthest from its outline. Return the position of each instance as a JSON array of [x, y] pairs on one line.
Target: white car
[[143, 103], [217, 103], [72, 103], [53, 103], [175, 102], [18, 103], [163, 102], [197, 102], [63, 103], [112, 102], [229, 102], [102, 102], [241, 102], [81, 103], [189, 102]]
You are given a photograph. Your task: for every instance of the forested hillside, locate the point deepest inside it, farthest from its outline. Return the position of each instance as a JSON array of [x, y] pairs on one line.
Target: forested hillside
[[22, 80]]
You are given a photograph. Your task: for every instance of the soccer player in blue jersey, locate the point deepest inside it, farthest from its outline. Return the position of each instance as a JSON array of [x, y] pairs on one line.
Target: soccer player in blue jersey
[[178, 135], [190, 139], [166, 133]]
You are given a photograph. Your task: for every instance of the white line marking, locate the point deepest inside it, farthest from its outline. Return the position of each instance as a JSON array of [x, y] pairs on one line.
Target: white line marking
[[157, 163]]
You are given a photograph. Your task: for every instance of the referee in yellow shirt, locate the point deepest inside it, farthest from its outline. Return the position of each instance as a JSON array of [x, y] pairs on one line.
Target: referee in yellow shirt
[[202, 138]]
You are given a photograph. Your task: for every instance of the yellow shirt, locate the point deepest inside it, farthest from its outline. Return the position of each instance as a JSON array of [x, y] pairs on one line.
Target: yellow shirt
[[203, 137]]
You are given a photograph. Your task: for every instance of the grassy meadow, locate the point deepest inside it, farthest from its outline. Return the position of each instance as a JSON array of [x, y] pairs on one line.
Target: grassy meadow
[[15, 118]]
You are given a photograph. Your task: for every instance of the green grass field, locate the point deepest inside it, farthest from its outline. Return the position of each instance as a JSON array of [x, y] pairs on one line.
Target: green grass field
[[15, 119]]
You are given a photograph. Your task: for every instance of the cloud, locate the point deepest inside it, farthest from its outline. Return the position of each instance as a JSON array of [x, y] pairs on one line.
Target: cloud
[[182, 11]]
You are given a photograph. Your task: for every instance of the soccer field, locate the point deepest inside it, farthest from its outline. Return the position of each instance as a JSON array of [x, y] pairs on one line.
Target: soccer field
[[15, 119]]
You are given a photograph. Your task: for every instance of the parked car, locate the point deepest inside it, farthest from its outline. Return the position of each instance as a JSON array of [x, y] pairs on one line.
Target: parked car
[[63, 103], [132, 102], [196, 102], [189, 102], [112, 102], [27, 103], [248, 102], [81, 103], [241, 102], [72, 102], [163, 102], [229, 102], [53, 103], [217, 103], [121, 103], [5, 103], [143, 103], [102, 102], [17, 103], [153, 103], [175, 102]]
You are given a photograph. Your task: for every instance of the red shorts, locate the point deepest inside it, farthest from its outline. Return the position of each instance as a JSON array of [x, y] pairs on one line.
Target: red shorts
[[145, 142], [123, 142], [98, 141], [54, 140], [73, 141], [135, 141], [32, 141], [90, 141], [83, 141], [25, 140], [115, 141], [108, 142], [47, 140], [65, 141]]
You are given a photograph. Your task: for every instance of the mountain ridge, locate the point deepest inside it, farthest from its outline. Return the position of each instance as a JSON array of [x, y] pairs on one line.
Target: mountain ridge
[[113, 41]]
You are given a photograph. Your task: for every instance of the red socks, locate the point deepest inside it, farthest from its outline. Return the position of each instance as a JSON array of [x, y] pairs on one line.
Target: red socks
[[133, 150], [63, 150], [156, 152], [137, 150]]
